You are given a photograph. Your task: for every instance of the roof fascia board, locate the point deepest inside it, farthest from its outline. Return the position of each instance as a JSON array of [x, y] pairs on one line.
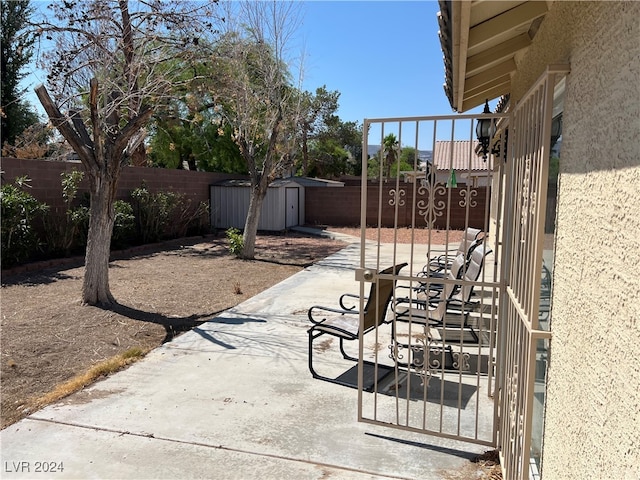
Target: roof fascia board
[[460, 32]]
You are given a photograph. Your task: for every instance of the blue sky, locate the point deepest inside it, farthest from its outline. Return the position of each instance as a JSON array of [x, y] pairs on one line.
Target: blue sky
[[384, 57]]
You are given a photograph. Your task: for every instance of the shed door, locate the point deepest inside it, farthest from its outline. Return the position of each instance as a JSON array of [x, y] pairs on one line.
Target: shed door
[[292, 202]]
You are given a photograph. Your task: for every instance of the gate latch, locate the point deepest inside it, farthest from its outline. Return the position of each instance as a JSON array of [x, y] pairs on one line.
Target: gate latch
[[365, 275]]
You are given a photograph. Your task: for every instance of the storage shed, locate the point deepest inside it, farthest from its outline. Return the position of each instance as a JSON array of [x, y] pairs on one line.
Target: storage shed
[[282, 208]]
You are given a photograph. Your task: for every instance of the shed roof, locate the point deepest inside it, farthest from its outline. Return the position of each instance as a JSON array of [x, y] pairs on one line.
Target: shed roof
[[317, 182], [280, 182], [245, 182]]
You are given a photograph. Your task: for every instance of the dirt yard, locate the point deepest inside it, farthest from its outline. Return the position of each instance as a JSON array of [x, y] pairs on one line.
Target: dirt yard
[[48, 337]]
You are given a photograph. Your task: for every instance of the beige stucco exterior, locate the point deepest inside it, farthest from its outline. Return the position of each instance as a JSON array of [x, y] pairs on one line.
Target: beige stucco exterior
[[592, 422]]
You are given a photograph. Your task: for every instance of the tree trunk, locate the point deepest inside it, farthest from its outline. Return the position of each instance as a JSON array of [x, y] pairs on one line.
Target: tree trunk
[[102, 157], [253, 217], [390, 158], [260, 179], [305, 152], [95, 288]]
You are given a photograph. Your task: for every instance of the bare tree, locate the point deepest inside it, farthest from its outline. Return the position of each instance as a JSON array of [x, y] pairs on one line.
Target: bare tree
[[256, 95], [110, 66]]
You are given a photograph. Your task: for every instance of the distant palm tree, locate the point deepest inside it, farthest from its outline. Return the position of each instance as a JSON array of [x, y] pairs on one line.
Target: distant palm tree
[[390, 144]]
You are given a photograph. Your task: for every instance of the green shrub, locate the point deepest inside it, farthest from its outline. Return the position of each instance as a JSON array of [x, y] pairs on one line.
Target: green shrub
[[187, 220], [152, 212], [124, 226], [148, 218], [20, 210], [166, 214], [68, 232], [236, 243]]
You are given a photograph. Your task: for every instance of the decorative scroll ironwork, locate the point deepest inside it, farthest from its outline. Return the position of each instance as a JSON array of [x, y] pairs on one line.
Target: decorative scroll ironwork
[[526, 199], [468, 200], [418, 353], [461, 361], [431, 209], [396, 197], [424, 356]]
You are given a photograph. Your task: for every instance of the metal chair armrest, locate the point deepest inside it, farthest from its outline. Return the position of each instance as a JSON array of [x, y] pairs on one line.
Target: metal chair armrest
[[328, 309], [349, 295]]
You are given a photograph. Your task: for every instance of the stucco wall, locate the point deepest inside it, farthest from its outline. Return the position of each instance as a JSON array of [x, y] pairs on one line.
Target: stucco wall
[[592, 427]]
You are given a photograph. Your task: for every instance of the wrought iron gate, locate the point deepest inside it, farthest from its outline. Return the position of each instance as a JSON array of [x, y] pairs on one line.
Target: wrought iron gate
[[431, 367], [462, 370], [523, 338]]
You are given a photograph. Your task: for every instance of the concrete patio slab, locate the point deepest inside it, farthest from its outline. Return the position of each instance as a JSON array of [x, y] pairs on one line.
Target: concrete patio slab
[[231, 399]]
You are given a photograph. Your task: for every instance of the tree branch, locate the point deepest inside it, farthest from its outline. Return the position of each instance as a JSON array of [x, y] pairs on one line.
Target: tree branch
[[132, 128], [59, 121], [80, 127], [95, 122]]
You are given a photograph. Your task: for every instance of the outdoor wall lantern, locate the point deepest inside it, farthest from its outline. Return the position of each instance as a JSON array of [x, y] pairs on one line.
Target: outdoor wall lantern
[[497, 147], [485, 129]]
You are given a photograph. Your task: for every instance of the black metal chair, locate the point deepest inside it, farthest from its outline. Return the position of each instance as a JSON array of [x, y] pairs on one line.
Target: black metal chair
[[344, 323]]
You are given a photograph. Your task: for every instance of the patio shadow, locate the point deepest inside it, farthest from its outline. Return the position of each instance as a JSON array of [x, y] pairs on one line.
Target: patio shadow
[[451, 394]]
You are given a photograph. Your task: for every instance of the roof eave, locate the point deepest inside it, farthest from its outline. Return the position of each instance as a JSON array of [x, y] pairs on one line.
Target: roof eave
[[481, 42]]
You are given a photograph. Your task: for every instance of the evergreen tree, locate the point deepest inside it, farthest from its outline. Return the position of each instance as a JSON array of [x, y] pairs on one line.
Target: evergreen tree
[[17, 49]]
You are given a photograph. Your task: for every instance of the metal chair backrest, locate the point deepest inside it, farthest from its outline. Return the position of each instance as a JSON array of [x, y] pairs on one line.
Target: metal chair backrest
[[440, 302], [380, 295], [472, 272], [456, 292], [455, 271], [470, 239]]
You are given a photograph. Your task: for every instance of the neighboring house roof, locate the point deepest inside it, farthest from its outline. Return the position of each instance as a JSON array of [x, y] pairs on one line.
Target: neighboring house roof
[[460, 155], [481, 59]]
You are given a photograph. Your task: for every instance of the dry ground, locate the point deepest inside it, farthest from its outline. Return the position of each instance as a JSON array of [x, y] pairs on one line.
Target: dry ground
[[48, 337]]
